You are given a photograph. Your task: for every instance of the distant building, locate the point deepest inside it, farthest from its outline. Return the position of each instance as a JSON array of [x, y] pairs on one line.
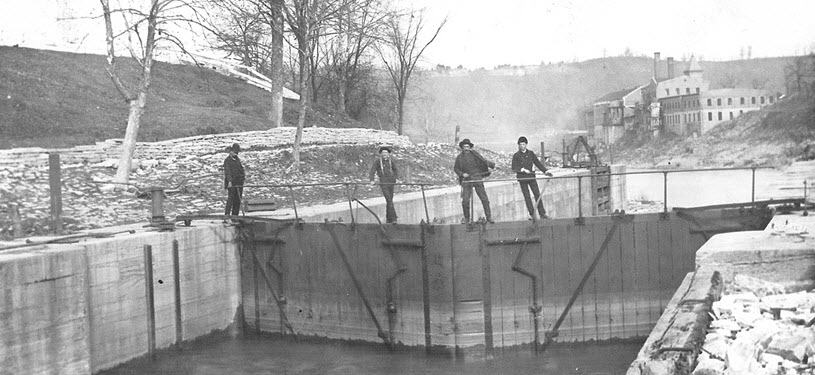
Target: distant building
[[726, 104], [612, 114], [687, 105], [681, 105]]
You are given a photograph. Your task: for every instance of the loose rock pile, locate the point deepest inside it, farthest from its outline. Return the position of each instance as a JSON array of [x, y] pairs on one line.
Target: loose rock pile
[[758, 329], [191, 171]]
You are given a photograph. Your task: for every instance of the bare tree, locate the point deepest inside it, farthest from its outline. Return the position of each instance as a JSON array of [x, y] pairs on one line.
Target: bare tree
[[800, 74], [401, 51], [138, 100], [253, 30], [306, 20]]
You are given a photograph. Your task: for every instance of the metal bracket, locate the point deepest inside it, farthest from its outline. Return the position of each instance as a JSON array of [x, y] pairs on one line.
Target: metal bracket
[[580, 220], [664, 216]]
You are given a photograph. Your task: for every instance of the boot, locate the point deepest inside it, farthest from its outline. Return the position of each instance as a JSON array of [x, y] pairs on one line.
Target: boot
[[488, 214]]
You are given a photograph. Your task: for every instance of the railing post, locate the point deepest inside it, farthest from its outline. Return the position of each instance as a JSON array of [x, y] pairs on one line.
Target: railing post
[[424, 200], [294, 203], [753, 195], [580, 219], [55, 182], [350, 206], [665, 192]]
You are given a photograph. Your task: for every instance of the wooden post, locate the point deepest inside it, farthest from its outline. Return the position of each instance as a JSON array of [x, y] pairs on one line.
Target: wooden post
[[179, 333], [55, 182], [543, 154], [150, 301], [16, 223], [458, 129]]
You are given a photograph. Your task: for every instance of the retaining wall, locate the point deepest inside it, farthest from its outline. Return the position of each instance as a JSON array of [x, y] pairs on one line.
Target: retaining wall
[[82, 308]]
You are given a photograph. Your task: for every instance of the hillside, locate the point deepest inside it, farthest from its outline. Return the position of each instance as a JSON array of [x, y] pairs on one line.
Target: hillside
[[773, 136], [533, 100], [60, 99]]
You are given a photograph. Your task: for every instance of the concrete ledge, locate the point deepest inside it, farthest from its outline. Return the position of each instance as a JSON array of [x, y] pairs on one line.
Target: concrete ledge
[[785, 259]]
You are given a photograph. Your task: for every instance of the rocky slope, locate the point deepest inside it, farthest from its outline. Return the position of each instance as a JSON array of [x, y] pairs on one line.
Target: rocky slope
[[191, 169], [774, 136]]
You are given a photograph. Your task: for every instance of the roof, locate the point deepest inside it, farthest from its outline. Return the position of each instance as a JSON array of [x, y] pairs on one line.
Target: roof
[[693, 65], [617, 95]]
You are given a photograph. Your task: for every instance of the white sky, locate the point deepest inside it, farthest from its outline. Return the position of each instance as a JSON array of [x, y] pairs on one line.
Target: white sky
[[483, 33], [525, 32]]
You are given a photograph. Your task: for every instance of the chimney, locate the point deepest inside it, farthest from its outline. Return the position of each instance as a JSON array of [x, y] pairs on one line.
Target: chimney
[[670, 67], [656, 66]]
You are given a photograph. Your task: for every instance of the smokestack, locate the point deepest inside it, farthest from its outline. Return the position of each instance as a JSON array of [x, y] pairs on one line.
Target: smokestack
[[670, 67], [656, 66]]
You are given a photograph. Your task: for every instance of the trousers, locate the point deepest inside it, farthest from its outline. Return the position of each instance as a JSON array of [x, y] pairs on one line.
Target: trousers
[[532, 184], [467, 194], [390, 211], [233, 201]]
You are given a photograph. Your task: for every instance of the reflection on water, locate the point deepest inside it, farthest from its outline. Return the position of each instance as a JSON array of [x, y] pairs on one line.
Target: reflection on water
[[282, 355], [689, 189]]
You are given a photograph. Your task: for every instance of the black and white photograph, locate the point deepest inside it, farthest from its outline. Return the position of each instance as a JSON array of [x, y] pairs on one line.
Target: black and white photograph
[[362, 187]]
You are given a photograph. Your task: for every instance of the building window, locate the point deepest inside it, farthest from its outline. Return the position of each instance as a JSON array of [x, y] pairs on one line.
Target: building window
[[720, 116], [709, 102], [741, 112], [687, 90], [719, 101], [677, 91], [667, 92], [697, 90], [762, 99], [753, 99], [684, 118], [742, 101], [731, 115], [729, 101], [710, 116], [771, 99]]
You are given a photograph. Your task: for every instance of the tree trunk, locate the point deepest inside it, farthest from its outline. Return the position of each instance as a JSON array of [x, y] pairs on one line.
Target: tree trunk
[[129, 145], [137, 105], [276, 111], [301, 119], [400, 113]]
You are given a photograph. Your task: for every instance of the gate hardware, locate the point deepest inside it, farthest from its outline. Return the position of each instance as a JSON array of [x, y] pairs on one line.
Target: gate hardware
[[513, 241]]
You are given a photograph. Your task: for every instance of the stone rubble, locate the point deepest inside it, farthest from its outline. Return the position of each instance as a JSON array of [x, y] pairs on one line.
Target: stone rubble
[[758, 328], [191, 170]]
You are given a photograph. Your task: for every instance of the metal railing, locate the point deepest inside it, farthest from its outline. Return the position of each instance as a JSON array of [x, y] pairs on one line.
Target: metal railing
[[351, 197]]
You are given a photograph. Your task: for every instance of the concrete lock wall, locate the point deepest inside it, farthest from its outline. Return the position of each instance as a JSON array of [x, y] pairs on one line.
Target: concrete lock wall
[[82, 308], [463, 279], [560, 199]]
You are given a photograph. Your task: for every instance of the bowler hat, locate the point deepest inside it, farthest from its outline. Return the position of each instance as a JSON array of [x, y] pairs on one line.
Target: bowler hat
[[465, 141], [522, 140], [235, 147]]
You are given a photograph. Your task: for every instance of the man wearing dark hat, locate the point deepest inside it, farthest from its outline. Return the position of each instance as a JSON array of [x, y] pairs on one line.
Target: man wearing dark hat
[[384, 167], [233, 180], [471, 169], [522, 163]]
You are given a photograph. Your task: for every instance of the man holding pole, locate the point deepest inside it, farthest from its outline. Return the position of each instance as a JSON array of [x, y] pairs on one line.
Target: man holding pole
[[523, 162], [471, 169], [234, 178]]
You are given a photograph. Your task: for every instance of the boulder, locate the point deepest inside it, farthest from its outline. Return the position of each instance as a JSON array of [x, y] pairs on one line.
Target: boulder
[[709, 366]]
